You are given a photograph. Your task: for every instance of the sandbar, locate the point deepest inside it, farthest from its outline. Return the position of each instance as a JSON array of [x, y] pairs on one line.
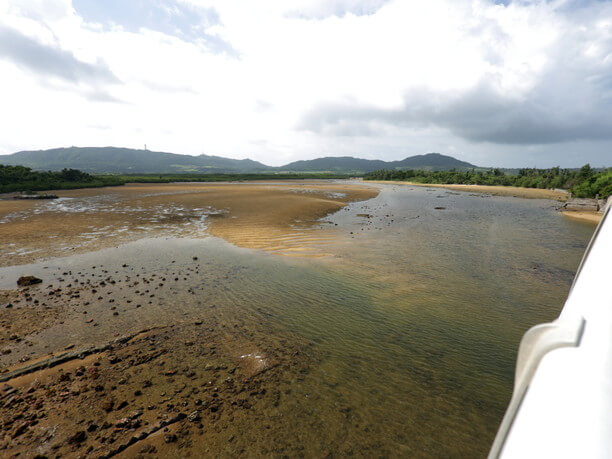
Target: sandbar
[[274, 216], [496, 190]]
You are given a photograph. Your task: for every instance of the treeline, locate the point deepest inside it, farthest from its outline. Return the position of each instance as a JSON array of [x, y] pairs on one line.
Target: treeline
[[167, 178], [20, 178], [585, 182]]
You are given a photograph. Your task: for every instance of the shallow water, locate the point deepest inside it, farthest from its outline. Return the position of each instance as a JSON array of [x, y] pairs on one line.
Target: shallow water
[[416, 316]]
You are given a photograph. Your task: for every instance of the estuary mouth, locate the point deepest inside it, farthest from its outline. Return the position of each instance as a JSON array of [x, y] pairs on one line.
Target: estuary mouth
[[196, 337]]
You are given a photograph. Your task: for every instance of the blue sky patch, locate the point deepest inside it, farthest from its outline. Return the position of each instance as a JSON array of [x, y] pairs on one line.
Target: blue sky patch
[[170, 17]]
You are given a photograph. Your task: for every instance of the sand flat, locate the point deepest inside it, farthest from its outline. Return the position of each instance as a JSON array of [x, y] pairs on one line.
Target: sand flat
[[518, 192], [273, 216]]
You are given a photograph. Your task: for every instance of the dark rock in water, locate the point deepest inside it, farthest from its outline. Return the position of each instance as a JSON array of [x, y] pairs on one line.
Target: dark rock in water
[[108, 405], [20, 429], [78, 437], [122, 405], [24, 281], [148, 449]]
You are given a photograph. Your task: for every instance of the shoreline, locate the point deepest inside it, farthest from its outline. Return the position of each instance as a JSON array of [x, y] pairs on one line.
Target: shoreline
[[587, 216], [495, 190], [592, 217]]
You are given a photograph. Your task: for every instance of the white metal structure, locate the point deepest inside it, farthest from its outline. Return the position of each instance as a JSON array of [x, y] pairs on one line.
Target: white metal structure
[[561, 406]]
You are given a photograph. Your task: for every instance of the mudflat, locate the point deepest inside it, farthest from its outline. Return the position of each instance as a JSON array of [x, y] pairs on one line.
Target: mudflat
[[271, 216], [126, 353]]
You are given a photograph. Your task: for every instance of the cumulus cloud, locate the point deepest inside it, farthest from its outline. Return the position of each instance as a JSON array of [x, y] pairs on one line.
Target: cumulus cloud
[[568, 98], [493, 82], [47, 60]]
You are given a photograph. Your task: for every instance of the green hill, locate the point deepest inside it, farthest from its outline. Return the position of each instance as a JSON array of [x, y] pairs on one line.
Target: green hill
[[347, 164], [100, 160], [126, 160], [433, 162]]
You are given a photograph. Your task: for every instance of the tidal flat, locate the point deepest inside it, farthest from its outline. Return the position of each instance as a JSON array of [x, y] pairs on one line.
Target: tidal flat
[[302, 319]]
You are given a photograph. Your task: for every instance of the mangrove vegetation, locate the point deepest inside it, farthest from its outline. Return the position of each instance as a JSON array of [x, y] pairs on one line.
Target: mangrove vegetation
[[585, 182]]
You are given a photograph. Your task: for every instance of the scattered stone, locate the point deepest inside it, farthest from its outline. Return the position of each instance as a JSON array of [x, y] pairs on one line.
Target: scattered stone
[[24, 281], [170, 438], [78, 437], [108, 405], [20, 429], [148, 449]]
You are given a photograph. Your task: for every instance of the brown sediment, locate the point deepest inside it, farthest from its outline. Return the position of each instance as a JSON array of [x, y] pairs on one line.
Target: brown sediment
[[271, 216], [206, 385], [518, 192], [21, 315], [185, 389], [584, 215]]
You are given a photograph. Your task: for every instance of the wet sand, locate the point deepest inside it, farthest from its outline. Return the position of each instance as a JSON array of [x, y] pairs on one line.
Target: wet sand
[[128, 374], [166, 391], [584, 216], [517, 192], [80, 375], [273, 216]]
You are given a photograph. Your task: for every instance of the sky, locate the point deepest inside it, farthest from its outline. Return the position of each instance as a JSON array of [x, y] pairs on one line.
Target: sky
[[514, 83]]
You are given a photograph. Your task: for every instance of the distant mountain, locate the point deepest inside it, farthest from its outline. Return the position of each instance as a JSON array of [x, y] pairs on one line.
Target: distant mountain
[[429, 161], [336, 164], [126, 160]]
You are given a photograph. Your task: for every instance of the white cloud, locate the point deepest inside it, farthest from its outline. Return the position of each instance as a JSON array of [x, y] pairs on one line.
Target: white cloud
[[489, 83]]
